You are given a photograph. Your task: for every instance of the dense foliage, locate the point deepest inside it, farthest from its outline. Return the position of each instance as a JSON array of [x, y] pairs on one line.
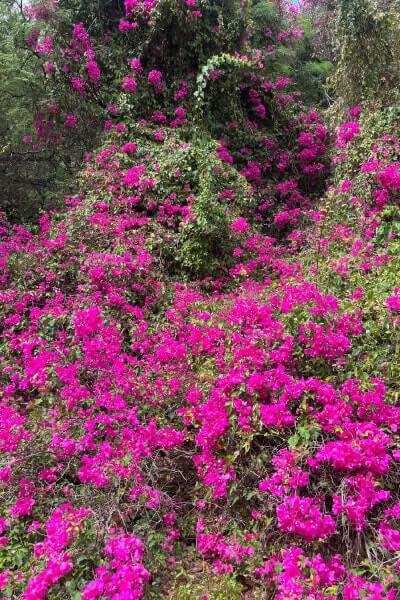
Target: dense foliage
[[200, 352]]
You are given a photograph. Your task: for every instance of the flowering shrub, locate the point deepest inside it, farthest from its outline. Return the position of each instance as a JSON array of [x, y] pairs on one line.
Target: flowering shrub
[[199, 355]]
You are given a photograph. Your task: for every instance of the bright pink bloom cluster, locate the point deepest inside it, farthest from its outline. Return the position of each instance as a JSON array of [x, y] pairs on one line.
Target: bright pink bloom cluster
[[124, 574], [225, 552], [303, 517], [287, 477], [347, 132], [297, 576]]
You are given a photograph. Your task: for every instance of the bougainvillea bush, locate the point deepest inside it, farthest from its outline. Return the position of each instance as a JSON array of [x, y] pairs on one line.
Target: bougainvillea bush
[[200, 353]]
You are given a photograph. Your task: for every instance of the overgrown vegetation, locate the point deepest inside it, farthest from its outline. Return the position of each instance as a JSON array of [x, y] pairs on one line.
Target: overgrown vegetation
[[200, 350]]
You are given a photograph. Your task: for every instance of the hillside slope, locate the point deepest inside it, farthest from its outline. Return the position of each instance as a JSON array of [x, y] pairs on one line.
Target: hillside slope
[[200, 353]]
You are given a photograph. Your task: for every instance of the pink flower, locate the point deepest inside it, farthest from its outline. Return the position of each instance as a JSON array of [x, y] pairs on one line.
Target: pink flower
[[71, 121], [302, 516], [155, 78], [130, 6], [125, 26], [4, 524], [393, 303], [180, 112], [79, 85], [136, 65], [224, 154], [355, 111], [124, 575], [93, 71], [45, 47], [55, 569], [347, 132], [4, 577], [129, 148], [133, 175], [49, 67], [240, 226], [390, 177], [129, 84]]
